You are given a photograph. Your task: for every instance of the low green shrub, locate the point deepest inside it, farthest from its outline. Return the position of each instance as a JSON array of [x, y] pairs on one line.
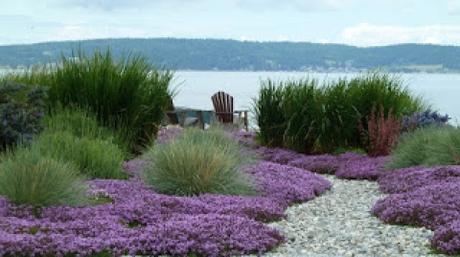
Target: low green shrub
[[310, 117], [446, 151], [78, 122], [26, 177], [128, 94], [21, 110], [82, 124], [96, 158], [427, 146], [199, 162]]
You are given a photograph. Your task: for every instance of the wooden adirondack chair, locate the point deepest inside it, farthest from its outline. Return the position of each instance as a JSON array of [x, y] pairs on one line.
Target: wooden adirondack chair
[[223, 107]]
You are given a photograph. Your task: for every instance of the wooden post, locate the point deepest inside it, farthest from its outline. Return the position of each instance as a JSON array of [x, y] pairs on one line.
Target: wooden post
[[200, 117], [245, 118], [183, 115]]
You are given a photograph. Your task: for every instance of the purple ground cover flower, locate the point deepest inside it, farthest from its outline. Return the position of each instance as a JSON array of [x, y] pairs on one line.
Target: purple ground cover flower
[[167, 134], [355, 166], [447, 237], [140, 221], [246, 138], [424, 196], [288, 184], [346, 166], [323, 164], [409, 179], [278, 155], [429, 206]]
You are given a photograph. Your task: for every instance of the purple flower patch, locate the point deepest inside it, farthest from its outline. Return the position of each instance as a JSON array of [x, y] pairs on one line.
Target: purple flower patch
[[346, 166], [167, 134], [288, 184], [278, 155], [361, 167], [409, 179], [424, 196], [447, 237], [139, 221], [429, 206], [323, 164]]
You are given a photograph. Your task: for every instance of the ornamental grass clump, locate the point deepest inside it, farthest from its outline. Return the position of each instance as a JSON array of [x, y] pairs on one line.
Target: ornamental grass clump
[[199, 162], [312, 117], [428, 147], [96, 158], [126, 94], [269, 114], [27, 177], [382, 132]]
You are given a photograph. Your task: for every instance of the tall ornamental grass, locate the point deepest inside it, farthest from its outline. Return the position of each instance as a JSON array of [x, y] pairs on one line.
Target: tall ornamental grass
[[300, 114], [199, 162], [128, 94], [428, 147], [95, 158], [270, 102], [382, 133], [311, 117], [27, 177]]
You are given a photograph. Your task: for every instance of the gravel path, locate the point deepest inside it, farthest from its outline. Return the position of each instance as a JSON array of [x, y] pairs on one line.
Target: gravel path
[[339, 223]]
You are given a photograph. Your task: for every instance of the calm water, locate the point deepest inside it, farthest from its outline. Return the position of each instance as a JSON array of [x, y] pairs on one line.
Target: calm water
[[442, 91]]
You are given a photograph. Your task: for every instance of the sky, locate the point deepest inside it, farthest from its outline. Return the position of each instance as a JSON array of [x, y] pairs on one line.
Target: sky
[[353, 22]]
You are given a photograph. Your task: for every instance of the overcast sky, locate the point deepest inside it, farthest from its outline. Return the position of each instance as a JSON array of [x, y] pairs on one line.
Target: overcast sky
[[355, 22]]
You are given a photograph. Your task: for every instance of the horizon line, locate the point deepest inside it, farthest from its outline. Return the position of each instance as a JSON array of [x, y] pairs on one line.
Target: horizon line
[[220, 39]]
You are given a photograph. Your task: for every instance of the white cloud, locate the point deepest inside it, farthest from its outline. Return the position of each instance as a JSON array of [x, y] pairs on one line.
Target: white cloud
[[365, 34], [453, 7], [299, 5], [111, 5]]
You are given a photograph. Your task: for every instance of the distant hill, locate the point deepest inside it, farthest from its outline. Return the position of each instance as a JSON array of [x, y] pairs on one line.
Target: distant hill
[[212, 54]]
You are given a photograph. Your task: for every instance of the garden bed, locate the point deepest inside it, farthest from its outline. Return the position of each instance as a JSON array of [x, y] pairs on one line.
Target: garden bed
[[139, 221]]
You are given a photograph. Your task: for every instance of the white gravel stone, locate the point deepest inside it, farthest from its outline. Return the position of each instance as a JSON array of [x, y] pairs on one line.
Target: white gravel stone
[[339, 223]]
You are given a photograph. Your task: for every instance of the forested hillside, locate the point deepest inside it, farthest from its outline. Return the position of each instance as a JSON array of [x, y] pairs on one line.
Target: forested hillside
[[211, 54]]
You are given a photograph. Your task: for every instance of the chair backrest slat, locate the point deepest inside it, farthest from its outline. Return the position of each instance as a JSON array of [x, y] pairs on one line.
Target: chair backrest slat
[[223, 106]]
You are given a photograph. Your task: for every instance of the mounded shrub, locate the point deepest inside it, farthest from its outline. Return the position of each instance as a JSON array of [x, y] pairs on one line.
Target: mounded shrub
[[199, 162], [21, 110], [27, 177], [429, 147], [95, 158], [82, 124], [127, 94], [78, 122]]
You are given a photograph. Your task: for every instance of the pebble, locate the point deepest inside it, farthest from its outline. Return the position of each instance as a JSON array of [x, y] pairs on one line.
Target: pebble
[[339, 223]]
